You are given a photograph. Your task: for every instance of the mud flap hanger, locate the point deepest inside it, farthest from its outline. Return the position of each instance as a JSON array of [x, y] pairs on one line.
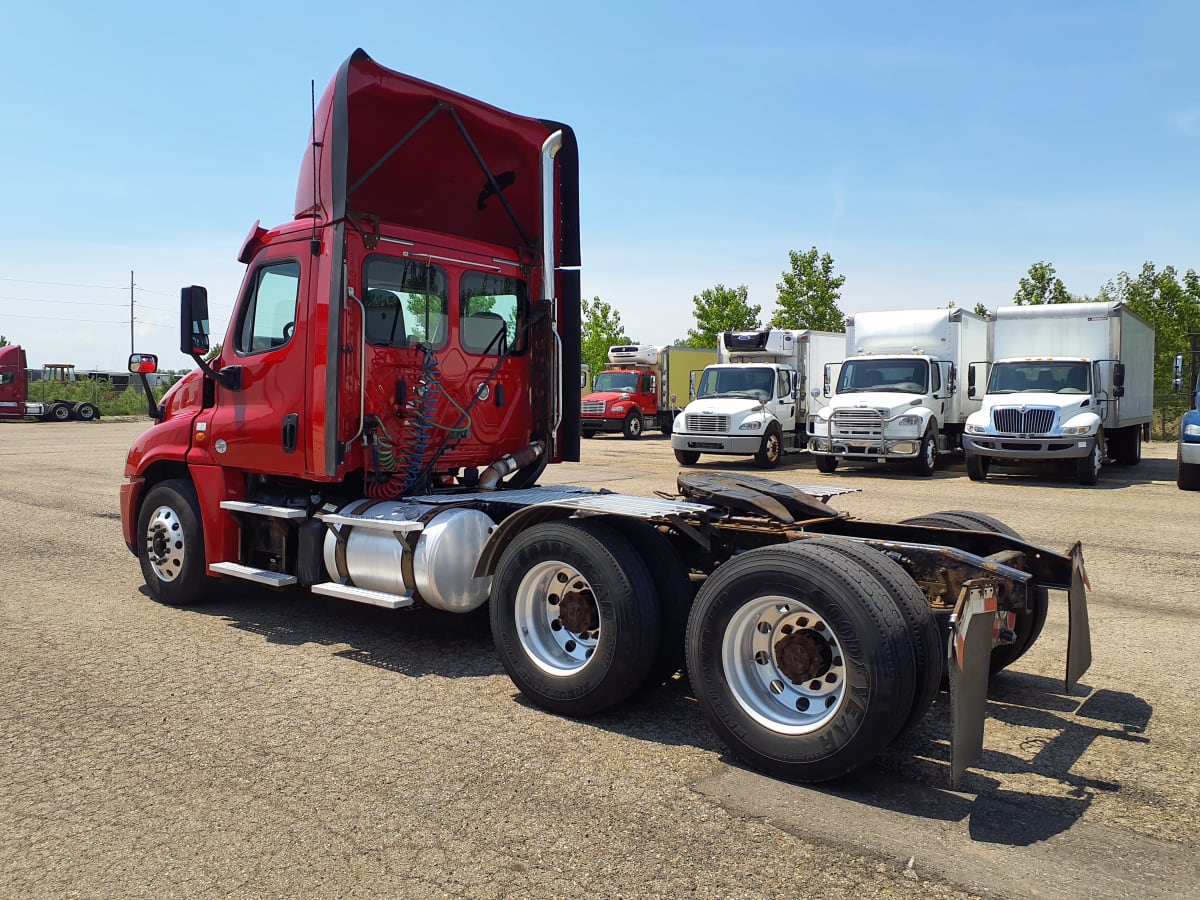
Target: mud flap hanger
[[969, 651]]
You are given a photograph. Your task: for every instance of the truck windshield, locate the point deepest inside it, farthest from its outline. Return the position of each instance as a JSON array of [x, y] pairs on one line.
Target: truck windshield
[[1040, 376], [903, 376], [736, 381], [617, 382]]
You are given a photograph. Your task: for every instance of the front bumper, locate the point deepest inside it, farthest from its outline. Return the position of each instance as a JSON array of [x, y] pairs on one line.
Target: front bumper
[[1189, 453], [876, 448], [737, 445], [1042, 447], [587, 423]]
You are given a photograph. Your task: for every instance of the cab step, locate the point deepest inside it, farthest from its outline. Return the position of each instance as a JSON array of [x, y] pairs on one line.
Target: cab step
[[247, 573], [263, 509], [363, 595]]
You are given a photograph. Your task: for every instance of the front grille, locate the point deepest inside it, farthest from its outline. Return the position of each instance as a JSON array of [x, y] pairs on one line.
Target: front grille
[[592, 407], [707, 424], [1009, 420], [857, 423]]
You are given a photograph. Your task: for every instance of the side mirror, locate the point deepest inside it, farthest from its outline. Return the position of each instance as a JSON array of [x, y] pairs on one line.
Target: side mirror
[[952, 379], [144, 364], [1119, 380], [825, 385], [971, 382], [1177, 380], [193, 321]]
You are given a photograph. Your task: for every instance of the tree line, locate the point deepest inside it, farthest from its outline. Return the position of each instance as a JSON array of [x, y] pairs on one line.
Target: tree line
[[810, 288]]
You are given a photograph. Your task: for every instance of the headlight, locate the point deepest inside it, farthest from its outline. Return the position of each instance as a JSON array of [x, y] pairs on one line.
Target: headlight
[[751, 425], [1191, 429], [1076, 429], [909, 421], [976, 429], [618, 407]]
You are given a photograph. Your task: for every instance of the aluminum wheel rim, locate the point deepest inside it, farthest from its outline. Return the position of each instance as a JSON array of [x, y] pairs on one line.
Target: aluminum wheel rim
[[166, 547], [552, 646], [773, 447], [753, 673], [930, 450]]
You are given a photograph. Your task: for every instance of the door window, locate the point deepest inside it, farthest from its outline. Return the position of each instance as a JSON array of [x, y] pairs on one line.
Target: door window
[[269, 317]]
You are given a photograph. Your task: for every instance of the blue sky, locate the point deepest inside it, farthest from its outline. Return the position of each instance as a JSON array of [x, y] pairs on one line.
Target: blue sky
[[935, 150]]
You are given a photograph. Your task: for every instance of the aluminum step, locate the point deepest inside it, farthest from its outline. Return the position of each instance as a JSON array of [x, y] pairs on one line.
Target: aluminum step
[[261, 576], [362, 595], [264, 509]]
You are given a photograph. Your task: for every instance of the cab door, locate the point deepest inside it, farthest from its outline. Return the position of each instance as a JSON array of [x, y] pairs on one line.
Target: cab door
[[263, 427], [785, 403]]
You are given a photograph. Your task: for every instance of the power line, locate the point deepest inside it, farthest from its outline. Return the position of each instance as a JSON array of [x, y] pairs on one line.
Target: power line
[[55, 319], [102, 287], [76, 302]]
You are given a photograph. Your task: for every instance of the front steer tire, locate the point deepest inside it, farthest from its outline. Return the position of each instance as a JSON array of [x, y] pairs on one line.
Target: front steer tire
[[770, 452], [574, 617], [171, 544], [803, 667]]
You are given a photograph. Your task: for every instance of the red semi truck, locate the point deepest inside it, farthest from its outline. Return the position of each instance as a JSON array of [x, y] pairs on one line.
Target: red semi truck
[[14, 391], [399, 368]]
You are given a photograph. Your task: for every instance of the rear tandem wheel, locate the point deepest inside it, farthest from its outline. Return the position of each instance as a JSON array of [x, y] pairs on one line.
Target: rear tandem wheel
[[802, 665]]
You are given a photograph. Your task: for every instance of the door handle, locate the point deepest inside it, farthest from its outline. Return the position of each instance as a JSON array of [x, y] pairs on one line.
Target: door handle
[[291, 429]]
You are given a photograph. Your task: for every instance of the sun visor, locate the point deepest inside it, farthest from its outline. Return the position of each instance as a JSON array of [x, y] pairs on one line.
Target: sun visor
[[415, 154]]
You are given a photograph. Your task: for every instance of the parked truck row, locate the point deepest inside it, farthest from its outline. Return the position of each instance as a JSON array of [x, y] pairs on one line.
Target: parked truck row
[[398, 371], [1048, 384]]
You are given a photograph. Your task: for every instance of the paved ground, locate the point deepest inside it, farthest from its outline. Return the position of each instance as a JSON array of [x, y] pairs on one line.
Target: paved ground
[[285, 744]]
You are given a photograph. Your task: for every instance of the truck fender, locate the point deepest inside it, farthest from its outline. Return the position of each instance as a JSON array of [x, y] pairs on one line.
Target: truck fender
[[506, 532]]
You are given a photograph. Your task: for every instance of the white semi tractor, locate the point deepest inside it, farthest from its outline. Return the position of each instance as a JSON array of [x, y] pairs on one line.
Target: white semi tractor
[[1070, 382], [756, 399], [896, 397]]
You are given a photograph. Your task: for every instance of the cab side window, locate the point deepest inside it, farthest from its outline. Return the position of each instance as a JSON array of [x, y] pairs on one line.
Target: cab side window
[[492, 311], [269, 317], [783, 388], [405, 302]]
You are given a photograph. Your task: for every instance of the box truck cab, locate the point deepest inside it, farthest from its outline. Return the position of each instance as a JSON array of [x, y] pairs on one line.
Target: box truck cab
[[754, 401], [643, 387], [896, 397], [1071, 383]]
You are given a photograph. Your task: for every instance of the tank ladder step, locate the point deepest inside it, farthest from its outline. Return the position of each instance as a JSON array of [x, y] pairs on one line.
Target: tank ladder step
[[264, 509], [248, 573], [402, 526], [363, 595]]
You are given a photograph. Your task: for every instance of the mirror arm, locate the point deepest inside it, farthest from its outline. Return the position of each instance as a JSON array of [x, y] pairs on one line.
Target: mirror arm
[[229, 377]]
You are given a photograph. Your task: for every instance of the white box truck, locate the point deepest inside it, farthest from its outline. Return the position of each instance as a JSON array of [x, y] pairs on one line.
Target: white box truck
[[755, 400], [896, 397], [1069, 382]]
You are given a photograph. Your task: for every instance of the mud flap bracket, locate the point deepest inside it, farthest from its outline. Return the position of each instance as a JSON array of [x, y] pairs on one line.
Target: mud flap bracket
[[968, 656]]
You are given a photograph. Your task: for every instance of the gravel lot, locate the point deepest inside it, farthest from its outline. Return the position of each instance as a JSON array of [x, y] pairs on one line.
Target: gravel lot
[[286, 744]]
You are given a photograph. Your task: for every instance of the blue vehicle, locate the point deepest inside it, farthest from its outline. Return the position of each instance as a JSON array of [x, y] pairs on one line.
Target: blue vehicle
[[1188, 477]]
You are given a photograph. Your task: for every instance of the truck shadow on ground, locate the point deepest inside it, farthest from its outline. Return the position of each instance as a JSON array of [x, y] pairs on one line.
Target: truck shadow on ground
[[911, 777], [1112, 476]]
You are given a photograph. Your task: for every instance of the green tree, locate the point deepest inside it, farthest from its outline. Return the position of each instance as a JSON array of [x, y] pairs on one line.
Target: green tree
[[719, 309], [1040, 286], [3, 341], [600, 329], [809, 294], [1170, 305], [980, 309]]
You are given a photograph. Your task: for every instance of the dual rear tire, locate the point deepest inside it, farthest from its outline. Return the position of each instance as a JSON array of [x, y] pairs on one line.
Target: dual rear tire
[[809, 659]]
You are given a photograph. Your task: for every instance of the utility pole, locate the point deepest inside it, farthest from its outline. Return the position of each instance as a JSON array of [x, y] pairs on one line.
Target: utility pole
[[131, 312]]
